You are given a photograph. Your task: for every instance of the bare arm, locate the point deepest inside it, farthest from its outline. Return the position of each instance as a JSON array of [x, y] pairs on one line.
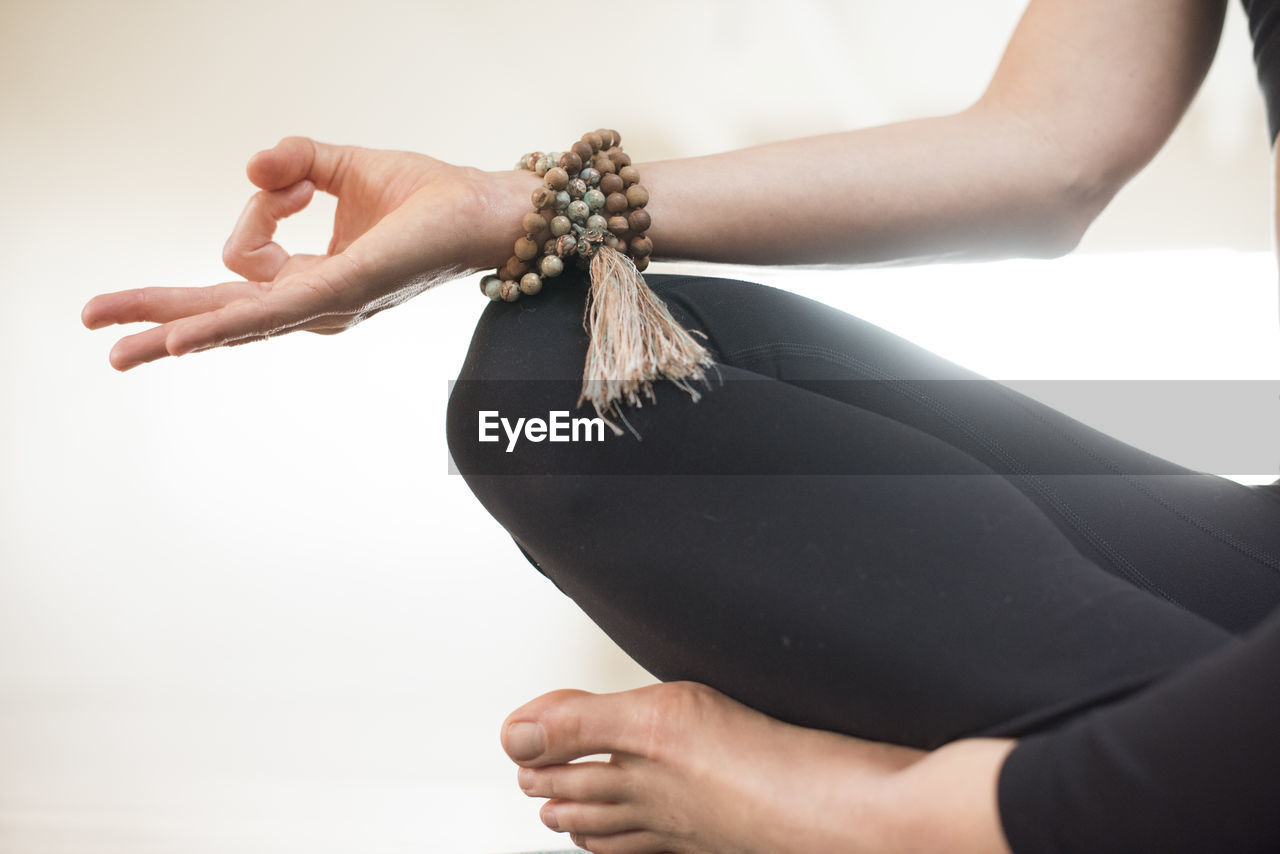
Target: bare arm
[[1086, 94]]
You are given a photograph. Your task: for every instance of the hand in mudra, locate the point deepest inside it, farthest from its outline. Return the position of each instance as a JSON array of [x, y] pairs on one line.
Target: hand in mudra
[[403, 223]]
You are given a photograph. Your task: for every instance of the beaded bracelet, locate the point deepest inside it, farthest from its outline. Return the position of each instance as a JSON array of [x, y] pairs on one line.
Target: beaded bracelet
[[592, 196], [592, 204]]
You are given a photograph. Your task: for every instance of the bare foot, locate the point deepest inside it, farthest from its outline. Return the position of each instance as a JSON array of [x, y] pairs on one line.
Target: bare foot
[[694, 772]]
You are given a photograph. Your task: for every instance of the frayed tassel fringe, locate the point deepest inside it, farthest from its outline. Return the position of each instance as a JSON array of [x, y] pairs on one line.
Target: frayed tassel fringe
[[634, 342]]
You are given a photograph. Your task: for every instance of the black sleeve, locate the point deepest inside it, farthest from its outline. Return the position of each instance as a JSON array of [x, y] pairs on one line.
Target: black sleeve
[[1191, 764]]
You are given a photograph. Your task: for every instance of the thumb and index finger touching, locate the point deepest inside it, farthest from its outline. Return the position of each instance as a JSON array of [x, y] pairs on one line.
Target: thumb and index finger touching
[[288, 175]]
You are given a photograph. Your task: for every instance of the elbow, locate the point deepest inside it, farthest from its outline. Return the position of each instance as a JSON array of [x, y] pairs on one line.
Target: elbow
[[1060, 227], [1064, 211], [1059, 179]]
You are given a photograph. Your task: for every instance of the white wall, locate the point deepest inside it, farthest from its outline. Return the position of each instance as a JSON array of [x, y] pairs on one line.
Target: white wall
[[242, 605]]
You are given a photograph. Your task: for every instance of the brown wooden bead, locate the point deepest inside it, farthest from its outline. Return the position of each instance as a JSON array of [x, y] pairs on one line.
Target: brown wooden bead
[[639, 220], [622, 246], [618, 224], [641, 247], [526, 249], [616, 203], [571, 162], [617, 137], [611, 183], [583, 150], [637, 196], [534, 223], [549, 246], [514, 268], [544, 197], [557, 177], [629, 175], [642, 264], [603, 165], [621, 158], [594, 140], [606, 138]]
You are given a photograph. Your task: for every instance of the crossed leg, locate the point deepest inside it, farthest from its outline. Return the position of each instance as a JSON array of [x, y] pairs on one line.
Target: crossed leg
[[981, 565]]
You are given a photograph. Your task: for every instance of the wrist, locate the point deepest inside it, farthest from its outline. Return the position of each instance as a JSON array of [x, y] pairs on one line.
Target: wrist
[[501, 201]]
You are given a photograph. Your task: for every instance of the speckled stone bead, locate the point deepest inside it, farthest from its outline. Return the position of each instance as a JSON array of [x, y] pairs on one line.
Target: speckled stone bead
[[577, 211], [543, 197], [639, 220], [594, 199], [526, 249], [543, 164], [629, 175], [566, 245], [534, 223], [562, 200], [637, 196], [560, 225], [489, 285], [591, 176], [510, 291], [530, 284], [610, 184], [551, 266], [616, 203], [595, 222], [577, 188]]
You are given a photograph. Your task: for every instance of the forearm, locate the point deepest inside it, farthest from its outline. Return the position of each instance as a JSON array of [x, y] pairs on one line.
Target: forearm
[[978, 184], [974, 185]]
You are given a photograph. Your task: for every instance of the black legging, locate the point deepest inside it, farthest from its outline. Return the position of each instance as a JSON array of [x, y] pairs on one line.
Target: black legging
[[848, 532]]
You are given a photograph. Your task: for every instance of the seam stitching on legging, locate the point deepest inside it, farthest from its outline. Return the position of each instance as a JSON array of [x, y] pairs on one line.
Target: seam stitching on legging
[[1121, 563], [1225, 537]]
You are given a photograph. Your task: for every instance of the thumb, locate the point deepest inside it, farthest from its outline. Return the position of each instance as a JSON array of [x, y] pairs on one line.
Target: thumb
[[297, 157]]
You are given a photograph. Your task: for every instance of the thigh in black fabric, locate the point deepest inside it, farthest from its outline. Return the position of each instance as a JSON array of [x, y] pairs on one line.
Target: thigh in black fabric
[[1208, 544]]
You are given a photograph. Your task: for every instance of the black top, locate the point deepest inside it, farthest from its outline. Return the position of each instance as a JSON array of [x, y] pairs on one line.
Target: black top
[[1264, 27], [1192, 764]]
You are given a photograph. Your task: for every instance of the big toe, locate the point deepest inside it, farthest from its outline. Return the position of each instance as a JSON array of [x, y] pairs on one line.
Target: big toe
[[566, 725]]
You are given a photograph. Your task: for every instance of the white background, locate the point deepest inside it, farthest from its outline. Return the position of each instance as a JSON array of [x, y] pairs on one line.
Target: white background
[[243, 607]]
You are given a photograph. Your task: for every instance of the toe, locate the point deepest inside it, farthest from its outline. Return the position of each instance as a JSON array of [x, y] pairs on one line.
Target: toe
[[580, 781], [590, 819], [630, 842], [565, 725]]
